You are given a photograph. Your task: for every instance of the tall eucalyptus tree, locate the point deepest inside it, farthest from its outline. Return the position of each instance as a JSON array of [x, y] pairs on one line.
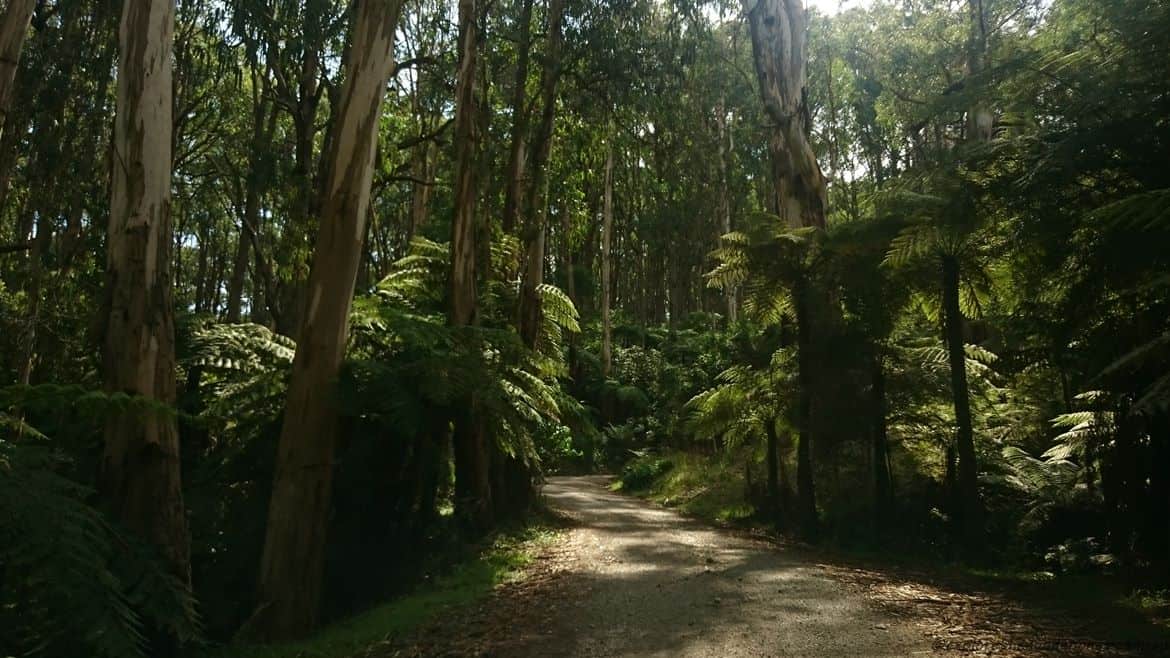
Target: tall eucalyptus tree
[[779, 31], [292, 566], [140, 474]]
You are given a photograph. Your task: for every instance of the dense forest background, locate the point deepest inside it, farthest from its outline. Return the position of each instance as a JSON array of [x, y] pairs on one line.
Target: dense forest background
[[297, 295]]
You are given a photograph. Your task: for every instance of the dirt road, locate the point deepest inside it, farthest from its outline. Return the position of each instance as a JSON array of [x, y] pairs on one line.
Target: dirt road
[[631, 579], [651, 583]]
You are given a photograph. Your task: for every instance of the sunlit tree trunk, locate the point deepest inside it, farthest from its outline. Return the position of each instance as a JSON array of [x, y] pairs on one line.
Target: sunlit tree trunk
[[473, 494], [292, 564], [779, 31], [606, 256], [140, 474]]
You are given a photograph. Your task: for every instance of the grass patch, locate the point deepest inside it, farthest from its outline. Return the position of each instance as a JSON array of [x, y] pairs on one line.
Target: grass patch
[[1154, 603], [709, 488], [466, 583]]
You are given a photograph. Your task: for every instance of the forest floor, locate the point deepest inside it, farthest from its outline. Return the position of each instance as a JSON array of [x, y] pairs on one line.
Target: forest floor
[[630, 578]]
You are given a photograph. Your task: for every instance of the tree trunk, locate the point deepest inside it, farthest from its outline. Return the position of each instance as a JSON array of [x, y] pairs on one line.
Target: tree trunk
[[434, 456], [292, 565], [13, 30], [514, 190], [536, 205], [779, 46], [980, 120], [235, 292], [293, 294], [423, 170], [805, 489], [970, 507], [724, 206], [606, 256], [140, 473], [882, 490], [463, 229], [473, 494], [264, 126], [773, 448]]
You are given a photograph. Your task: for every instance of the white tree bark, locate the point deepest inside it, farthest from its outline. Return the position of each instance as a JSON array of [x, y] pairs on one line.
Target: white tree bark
[[291, 568], [779, 31], [140, 476]]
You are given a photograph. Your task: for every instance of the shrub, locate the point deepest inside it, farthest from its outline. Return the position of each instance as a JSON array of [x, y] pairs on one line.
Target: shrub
[[641, 473]]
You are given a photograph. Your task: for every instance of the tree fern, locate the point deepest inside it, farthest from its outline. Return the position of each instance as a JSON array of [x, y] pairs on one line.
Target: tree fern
[[74, 584]]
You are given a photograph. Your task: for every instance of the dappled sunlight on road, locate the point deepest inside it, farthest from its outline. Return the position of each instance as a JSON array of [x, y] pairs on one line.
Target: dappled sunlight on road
[[644, 581]]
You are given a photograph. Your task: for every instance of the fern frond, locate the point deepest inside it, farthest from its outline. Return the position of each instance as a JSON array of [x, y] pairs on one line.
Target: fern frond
[[558, 308], [1145, 211]]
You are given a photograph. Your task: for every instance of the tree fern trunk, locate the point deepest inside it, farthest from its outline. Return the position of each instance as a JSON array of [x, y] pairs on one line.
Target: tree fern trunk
[[773, 461], [882, 491], [805, 489], [970, 507]]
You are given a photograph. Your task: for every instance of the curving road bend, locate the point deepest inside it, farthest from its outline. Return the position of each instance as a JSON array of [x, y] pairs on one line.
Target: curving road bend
[[644, 581]]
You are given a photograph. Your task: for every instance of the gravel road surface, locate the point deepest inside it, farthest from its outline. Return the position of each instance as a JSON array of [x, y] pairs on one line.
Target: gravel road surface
[[648, 582]]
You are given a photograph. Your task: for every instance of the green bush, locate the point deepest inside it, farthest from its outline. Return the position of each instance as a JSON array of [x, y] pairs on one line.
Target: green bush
[[641, 473]]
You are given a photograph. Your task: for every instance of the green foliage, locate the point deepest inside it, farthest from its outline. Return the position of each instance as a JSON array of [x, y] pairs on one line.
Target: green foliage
[[465, 584], [241, 366], [1057, 224], [641, 473], [74, 584], [764, 259], [409, 362], [709, 488]]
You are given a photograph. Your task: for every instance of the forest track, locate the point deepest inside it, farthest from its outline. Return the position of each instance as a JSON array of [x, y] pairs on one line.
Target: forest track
[[632, 579]]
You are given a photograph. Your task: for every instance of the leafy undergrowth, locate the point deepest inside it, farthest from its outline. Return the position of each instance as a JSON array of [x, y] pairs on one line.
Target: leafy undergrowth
[[502, 560], [703, 486]]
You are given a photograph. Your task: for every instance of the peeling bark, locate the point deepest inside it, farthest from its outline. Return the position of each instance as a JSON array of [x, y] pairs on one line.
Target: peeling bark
[[779, 43], [779, 30], [140, 474]]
